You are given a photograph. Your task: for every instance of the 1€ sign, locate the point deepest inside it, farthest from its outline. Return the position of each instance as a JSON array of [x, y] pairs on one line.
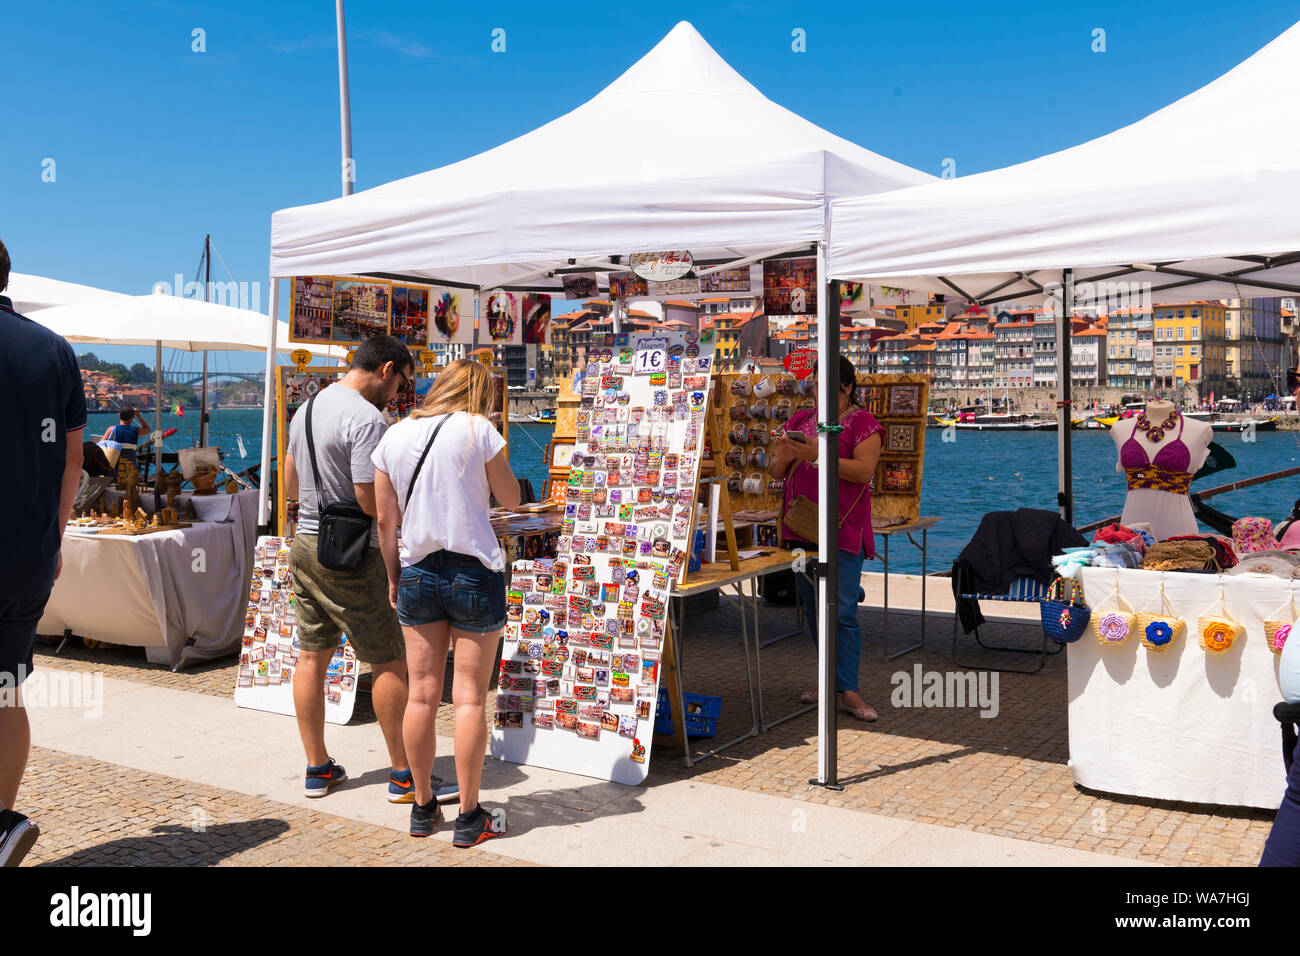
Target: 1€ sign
[[300, 358], [801, 363]]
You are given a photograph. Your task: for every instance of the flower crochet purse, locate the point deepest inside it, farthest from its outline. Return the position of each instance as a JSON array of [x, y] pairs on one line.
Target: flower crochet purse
[[1278, 626], [1161, 627], [1112, 619], [1218, 628]]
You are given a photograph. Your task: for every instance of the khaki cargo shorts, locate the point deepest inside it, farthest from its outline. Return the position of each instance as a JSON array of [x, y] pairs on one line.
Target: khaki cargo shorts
[[352, 602]]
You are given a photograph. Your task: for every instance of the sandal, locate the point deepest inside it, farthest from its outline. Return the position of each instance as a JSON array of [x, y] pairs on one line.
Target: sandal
[[808, 697], [866, 714]]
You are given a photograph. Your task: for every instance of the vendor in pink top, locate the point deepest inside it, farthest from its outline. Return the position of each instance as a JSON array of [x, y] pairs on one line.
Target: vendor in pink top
[[796, 461]]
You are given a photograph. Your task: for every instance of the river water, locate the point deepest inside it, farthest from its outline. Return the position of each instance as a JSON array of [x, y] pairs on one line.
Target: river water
[[963, 479]]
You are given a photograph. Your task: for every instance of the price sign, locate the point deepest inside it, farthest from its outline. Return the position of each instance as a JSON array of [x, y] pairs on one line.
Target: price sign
[[801, 363], [428, 358], [650, 361], [300, 358], [351, 356]]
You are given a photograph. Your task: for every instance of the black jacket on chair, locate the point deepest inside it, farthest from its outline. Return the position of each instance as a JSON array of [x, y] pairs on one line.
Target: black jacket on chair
[[1008, 545]]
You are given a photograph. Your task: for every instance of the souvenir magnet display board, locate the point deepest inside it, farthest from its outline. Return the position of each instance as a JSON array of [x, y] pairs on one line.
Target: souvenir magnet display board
[[579, 675], [269, 651], [752, 411], [899, 402]]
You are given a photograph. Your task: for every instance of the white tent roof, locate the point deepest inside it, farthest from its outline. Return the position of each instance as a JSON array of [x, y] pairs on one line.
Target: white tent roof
[[1207, 185], [191, 325], [30, 293], [678, 152]]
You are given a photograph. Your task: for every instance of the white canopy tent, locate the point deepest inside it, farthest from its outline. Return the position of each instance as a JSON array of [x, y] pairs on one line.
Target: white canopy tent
[[1199, 199], [680, 152], [31, 293], [169, 321]]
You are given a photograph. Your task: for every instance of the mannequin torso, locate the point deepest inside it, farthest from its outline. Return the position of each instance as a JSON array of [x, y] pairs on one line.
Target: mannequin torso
[[1159, 466]]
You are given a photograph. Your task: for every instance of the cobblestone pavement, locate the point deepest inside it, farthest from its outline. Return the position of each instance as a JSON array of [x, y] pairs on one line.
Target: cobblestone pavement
[[1006, 775], [93, 813]]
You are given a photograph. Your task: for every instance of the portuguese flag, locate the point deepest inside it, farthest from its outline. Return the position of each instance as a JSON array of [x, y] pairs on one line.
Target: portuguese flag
[[178, 410]]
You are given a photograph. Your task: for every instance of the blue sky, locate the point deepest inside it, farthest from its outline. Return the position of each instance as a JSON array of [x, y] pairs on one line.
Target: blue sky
[[155, 145]]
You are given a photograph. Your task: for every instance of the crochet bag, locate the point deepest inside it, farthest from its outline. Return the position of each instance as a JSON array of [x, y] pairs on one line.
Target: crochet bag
[[1112, 620], [1278, 626], [1161, 627], [1064, 615], [1219, 630]]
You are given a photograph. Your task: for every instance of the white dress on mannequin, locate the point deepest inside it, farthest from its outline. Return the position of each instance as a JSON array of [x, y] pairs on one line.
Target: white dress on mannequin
[[1182, 449]]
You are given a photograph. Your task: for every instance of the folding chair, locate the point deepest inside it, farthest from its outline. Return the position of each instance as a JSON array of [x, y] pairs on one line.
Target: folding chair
[[1023, 590]]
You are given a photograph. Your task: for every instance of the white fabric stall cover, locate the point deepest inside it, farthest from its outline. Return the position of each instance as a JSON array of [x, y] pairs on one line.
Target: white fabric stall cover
[[30, 293], [191, 325], [680, 152], [1200, 185], [1183, 723]]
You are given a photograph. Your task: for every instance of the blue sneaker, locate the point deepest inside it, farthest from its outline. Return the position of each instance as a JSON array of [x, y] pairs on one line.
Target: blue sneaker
[[322, 779], [401, 789]]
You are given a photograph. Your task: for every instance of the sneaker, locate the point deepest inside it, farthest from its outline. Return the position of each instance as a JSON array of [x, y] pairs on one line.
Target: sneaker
[[473, 828], [17, 834], [321, 780], [401, 789], [425, 819]]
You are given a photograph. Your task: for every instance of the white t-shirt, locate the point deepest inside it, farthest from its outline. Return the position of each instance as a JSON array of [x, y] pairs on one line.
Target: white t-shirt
[[449, 506]]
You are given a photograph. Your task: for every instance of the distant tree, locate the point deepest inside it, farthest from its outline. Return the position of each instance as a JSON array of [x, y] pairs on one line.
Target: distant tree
[[141, 374]]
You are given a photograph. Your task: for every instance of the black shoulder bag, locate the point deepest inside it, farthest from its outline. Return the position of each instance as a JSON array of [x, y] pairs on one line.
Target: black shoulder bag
[[344, 533]]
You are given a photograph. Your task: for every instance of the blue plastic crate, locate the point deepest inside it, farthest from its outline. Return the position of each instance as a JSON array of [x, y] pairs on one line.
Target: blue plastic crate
[[702, 713]]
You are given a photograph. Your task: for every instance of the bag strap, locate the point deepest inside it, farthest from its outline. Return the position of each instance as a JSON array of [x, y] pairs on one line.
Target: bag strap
[[311, 454], [420, 464]]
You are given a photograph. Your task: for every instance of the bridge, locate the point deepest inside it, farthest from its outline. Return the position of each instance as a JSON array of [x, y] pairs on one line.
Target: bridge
[[196, 378]]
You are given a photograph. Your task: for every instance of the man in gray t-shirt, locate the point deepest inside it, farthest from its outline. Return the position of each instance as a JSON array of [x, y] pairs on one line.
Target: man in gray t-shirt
[[346, 426]]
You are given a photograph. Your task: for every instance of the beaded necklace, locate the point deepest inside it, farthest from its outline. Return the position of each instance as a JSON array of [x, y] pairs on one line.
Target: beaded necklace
[[1156, 432]]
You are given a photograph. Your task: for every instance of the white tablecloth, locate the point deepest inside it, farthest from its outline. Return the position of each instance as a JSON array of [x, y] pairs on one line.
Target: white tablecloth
[[179, 594], [1182, 724]]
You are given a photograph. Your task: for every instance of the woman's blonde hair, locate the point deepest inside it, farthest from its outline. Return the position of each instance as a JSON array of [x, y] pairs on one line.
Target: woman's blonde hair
[[463, 386]]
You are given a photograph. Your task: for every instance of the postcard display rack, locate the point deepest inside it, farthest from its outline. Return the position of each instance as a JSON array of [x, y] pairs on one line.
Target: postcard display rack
[[587, 630], [269, 651]]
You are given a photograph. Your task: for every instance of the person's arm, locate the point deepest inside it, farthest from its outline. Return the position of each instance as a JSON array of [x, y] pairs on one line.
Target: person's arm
[[108, 431], [365, 495], [385, 499], [68, 491], [502, 481], [290, 476], [862, 466]]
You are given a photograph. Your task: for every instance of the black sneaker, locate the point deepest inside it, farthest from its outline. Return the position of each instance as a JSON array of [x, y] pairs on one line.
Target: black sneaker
[[473, 828], [17, 834], [425, 819]]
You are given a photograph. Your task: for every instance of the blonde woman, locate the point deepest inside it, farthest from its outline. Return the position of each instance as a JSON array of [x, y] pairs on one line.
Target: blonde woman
[[433, 475]]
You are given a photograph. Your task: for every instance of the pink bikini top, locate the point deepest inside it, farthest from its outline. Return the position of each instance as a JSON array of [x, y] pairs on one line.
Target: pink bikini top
[[1172, 457]]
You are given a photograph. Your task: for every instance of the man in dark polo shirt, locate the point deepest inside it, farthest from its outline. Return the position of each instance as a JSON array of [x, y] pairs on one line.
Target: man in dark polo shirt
[[40, 391]]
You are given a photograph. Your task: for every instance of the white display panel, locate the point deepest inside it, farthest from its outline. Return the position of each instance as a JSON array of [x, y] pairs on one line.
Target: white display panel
[[269, 652], [585, 632]]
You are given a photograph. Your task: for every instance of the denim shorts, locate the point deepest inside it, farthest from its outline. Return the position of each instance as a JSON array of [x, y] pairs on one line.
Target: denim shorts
[[446, 586]]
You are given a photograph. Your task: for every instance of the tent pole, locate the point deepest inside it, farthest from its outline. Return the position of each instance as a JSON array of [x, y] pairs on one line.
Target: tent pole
[[345, 102], [268, 410], [1065, 490], [157, 421], [828, 444], [207, 298]]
